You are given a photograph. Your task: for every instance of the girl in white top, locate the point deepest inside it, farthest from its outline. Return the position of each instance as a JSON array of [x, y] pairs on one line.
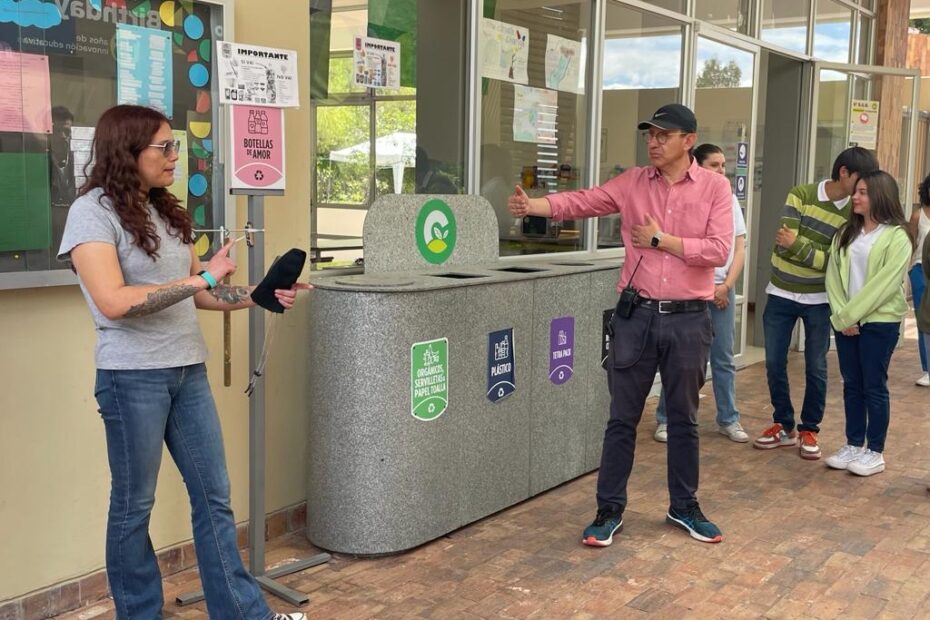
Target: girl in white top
[[865, 286], [919, 226]]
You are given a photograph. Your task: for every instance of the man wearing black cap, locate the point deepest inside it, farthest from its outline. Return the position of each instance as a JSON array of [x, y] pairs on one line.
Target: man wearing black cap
[[677, 225]]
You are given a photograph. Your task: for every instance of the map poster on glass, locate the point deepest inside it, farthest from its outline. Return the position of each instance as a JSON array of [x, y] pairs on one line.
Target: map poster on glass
[[376, 63], [254, 75]]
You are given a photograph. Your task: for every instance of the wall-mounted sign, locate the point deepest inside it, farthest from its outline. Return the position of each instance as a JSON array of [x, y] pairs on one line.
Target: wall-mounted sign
[[741, 181], [501, 368], [249, 74], [863, 123], [561, 349], [257, 143], [742, 154], [429, 378], [436, 231]]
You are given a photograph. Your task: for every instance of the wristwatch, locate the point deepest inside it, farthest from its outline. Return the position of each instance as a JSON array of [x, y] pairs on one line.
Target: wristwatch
[[656, 238]]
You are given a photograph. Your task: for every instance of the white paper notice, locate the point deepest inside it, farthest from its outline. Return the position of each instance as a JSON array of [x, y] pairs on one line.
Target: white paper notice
[[82, 139], [863, 123], [534, 114], [254, 75], [564, 64], [376, 62], [505, 49]]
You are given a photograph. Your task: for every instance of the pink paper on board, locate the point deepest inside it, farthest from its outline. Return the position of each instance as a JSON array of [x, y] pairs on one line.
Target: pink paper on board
[[25, 93], [258, 149]]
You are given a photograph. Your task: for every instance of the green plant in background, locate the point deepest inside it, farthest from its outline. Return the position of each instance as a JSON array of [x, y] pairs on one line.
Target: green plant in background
[[342, 126]]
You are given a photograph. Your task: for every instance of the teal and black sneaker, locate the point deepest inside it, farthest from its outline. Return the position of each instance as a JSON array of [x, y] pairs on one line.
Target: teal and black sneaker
[[601, 532], [693, 521]]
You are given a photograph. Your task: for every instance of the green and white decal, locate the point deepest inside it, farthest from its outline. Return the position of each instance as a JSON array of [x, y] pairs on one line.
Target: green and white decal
[[429, 378], [436, 231]]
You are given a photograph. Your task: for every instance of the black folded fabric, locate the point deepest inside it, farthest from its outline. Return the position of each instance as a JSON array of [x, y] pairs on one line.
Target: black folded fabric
[[282, 274]]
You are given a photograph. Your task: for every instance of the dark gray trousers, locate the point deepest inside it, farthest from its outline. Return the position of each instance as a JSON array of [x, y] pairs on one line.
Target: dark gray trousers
[[677, 345]]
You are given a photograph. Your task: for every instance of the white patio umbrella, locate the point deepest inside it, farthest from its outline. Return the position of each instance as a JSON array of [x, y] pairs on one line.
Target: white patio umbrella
[[396, 150]]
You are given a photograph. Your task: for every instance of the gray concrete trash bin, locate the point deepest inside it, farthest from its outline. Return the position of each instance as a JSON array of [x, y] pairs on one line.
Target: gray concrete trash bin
[[386, 471]]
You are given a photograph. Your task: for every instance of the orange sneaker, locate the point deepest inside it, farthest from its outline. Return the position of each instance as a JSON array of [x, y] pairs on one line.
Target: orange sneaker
[[807, 445], [775, 436]]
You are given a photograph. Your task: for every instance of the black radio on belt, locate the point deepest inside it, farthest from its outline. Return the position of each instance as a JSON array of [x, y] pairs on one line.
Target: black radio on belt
[[629, 296]]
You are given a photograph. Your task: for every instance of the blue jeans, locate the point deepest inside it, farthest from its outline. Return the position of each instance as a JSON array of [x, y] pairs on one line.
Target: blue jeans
[[722, 368], [778, 322], [916, 275], [142, 409], [864, 363]]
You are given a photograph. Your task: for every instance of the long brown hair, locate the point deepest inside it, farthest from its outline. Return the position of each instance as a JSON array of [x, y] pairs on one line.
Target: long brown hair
[[884, 206], [122, 133]]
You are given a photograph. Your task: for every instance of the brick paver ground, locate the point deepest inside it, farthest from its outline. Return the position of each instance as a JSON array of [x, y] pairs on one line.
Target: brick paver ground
[[800, 541]]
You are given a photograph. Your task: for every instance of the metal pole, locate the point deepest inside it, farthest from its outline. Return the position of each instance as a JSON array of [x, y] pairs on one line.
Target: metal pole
[[257, 443], [257, 400]]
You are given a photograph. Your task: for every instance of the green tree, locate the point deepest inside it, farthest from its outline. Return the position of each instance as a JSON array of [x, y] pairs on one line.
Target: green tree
[[342, 126], [714, 74], [922, 24]]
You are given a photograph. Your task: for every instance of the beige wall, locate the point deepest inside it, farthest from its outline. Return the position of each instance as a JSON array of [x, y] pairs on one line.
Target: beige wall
[[54, 479]]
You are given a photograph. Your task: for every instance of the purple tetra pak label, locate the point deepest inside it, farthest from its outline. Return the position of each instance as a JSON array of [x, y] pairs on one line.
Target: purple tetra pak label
[[561, 349]]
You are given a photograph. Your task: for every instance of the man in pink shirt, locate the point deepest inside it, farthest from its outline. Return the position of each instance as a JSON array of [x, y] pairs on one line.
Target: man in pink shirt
[[677, 225]]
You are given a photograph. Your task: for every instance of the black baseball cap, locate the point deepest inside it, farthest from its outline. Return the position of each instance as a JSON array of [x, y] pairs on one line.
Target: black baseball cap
[[672, 116]]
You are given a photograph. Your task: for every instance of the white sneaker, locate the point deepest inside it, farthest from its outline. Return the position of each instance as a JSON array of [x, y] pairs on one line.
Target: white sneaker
[[868, 463], [846, 455], [661, 433], [924, 380], [297, 615], [735, 432]]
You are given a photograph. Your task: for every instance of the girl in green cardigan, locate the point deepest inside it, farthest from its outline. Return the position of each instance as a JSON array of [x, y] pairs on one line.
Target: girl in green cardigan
[[865, 286]]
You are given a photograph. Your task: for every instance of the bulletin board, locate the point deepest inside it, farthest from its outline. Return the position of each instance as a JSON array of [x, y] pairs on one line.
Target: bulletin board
[[62, 63]]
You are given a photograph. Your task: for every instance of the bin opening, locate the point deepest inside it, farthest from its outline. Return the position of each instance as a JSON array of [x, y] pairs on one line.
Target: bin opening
[[521, 269], [574, 264], [458, 276]]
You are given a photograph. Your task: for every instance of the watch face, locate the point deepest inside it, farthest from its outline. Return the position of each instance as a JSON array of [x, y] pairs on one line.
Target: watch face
[[655, 242]]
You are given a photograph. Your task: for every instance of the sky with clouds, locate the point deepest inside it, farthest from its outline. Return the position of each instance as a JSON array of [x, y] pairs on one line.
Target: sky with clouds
[[655, 61]]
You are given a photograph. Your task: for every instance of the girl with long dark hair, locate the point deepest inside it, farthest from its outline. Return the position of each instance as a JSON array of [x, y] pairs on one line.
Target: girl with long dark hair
[[131, 244], [865, 286]]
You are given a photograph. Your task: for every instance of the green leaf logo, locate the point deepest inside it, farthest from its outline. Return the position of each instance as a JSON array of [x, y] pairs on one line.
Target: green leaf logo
[[435, 231]]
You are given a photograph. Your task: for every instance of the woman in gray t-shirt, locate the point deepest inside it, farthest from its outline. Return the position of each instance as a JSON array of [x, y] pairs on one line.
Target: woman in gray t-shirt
[[131, 244]]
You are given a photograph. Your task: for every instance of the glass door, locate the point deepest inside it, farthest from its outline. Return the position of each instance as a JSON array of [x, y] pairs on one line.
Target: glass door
[[725, 103], [867, 106]]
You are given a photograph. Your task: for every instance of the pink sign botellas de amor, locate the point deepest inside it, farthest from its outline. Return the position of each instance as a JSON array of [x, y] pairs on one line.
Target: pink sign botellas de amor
[[258, 147]]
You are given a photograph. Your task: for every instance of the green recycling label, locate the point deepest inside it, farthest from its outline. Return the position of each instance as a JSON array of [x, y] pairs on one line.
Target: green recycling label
[[436, 231], [429, 378]]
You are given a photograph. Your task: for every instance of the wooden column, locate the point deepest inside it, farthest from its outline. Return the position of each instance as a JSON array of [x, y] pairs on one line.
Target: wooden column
[[891, 51]]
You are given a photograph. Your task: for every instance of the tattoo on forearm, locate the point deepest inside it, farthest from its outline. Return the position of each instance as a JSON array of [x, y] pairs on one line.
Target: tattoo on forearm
[[231, 295], [161, 299]]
